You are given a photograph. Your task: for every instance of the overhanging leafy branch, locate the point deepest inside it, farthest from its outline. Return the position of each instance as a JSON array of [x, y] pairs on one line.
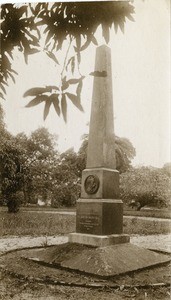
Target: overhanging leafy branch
[[76, 22], [56, 97]]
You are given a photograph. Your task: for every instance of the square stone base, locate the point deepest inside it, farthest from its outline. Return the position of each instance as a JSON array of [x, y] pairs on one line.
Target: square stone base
[[99, 216], [98, 241]]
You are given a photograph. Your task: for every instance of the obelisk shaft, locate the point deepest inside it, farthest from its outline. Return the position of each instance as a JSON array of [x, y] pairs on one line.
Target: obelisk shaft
[[99, 209], [101, 151]]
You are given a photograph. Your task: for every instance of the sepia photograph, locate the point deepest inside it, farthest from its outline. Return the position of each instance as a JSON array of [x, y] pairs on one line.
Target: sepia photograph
[[85, 150]]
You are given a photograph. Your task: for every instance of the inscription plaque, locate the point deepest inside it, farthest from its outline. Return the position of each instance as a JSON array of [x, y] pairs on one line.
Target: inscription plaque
[[91, 184], [89, 222]]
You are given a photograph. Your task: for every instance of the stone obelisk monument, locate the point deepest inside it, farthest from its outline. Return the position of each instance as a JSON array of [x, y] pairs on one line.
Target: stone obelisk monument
[[104, 250], [99, 218]]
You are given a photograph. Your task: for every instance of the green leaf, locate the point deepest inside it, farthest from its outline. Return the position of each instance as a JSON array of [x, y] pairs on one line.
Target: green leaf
[[4, 82], [26, 57], [31, 8], [47, 108], [130, 17], [2, 87], [65, 84], [79, 89], [54, 45], [13, 71], [59, 45], [69, 62], [37, 8], [10, 54], [73, 65], [34, 38], [33, 51], [49, 88], [37, 100], [25, 42], [116, 25], [1, 95], [64, 107], [121, 25], [38, 33], [12, 77], [86, 44], [78, 57], [73, 81], [55, 101], [34, 91], [75, 100], [78, 42], [52, 56], [41, 14]]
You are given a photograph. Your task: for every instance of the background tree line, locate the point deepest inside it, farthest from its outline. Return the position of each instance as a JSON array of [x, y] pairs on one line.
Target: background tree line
[[31, 168]]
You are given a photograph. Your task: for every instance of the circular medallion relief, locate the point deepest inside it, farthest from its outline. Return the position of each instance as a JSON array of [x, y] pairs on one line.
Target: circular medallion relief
[[91, 184]]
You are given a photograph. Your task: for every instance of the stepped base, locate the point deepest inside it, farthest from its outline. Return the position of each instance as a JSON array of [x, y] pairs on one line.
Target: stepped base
[[98, 240], [100, 261], [114, 260]]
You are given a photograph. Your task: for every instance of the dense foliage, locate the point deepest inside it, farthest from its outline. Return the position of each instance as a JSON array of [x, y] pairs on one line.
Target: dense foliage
[[66, 187], [31, 168], [38, 163], [146, 186]]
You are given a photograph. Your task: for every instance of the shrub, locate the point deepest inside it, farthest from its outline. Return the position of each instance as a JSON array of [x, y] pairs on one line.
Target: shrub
[[65, 194], [145, 186], [13, 203]]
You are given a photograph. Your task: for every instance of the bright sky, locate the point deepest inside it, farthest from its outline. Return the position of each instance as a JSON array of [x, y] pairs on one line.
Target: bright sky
[[141, 88]]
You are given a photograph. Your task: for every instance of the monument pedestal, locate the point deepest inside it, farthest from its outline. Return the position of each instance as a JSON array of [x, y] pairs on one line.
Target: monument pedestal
[[99, 222], [98, 240], [99, 216]]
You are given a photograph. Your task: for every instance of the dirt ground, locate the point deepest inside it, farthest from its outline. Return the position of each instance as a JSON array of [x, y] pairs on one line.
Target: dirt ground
[[13, 288], [37, 282], [21, 279]]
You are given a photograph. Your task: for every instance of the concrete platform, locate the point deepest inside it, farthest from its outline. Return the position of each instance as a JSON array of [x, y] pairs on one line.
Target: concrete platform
[[98, 241], [100, 261], [114, 260]]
